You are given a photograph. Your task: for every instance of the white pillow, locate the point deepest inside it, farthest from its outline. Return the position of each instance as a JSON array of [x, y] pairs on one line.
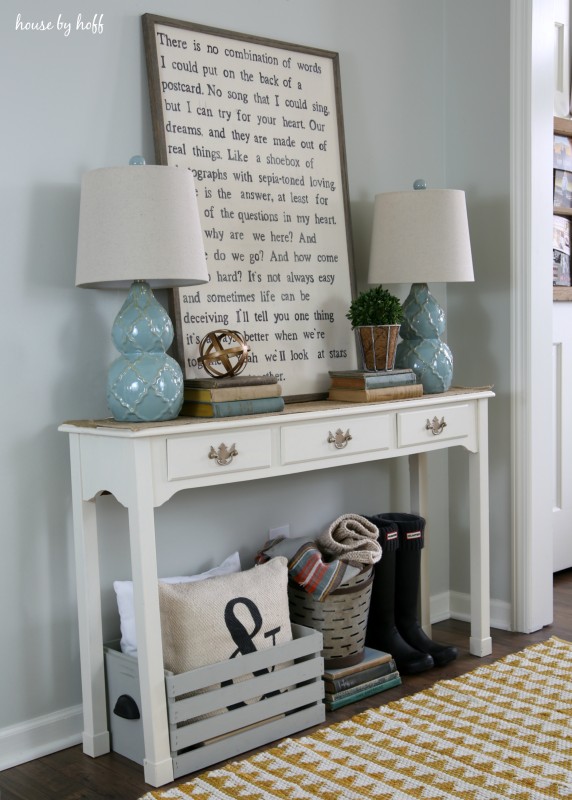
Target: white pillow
[[124, 592]]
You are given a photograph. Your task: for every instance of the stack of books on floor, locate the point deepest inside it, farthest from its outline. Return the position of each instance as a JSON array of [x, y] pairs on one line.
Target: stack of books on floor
[[357, 386], [231, 397], [377, 672]]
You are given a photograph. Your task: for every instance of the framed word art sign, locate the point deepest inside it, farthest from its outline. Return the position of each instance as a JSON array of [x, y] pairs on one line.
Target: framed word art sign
[[259, 124]]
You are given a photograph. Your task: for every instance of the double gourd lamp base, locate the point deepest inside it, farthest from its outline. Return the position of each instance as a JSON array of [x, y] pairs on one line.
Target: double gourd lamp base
[[139, 229], [421, 347]]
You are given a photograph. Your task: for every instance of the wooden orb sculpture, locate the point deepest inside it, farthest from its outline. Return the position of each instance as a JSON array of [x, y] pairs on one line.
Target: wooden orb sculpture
[[223, 353]]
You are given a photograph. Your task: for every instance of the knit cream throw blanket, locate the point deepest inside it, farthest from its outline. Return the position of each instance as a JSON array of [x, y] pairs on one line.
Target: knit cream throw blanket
[[353, 539], [501, 732]]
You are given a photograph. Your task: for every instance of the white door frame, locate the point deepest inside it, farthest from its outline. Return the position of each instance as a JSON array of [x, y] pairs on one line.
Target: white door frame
[[532, 82]]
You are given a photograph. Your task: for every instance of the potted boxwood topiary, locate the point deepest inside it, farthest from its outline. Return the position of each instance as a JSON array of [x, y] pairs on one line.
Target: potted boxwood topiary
[[376, 315]]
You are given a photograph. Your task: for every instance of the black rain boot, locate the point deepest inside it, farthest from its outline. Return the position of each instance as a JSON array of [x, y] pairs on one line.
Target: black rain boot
[[407, 578], [382, 633]]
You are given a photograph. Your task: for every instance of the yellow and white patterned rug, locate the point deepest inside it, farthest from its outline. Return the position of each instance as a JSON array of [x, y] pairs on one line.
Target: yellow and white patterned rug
[[502, 731]]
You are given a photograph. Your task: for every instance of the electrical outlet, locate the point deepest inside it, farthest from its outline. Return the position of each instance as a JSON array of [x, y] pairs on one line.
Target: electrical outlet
[[283, 530]]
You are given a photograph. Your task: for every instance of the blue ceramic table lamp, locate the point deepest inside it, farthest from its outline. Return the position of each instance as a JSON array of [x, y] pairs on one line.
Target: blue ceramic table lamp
[[422, 236], [139, 228]]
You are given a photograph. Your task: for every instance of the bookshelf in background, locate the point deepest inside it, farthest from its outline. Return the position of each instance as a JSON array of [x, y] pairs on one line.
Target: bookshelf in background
[[562, 127]]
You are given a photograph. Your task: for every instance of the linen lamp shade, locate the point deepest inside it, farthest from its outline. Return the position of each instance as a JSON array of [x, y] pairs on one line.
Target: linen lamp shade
[[139, 223], [420, 236]]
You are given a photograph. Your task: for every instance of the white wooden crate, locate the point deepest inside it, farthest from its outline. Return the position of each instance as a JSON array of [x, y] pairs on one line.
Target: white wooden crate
[[274, 693]]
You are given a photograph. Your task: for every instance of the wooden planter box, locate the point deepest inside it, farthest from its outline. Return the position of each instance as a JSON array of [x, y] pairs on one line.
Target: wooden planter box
[[199, 742]]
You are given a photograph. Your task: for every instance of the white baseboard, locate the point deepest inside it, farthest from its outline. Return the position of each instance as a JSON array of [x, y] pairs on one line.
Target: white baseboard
[[40, 736], [459, 608], [439, 607]]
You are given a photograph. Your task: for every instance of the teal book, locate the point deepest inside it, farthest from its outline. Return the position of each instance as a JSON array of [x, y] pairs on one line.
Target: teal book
[[233, 408], [359, 678], [340, 699], [358, 379]]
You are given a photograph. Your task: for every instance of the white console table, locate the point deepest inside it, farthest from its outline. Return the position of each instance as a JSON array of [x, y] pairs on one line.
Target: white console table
[[145, 465]]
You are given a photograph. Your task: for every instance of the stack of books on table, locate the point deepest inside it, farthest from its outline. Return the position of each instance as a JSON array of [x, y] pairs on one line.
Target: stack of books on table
[[231, 397], [375, 673], [357, 386]]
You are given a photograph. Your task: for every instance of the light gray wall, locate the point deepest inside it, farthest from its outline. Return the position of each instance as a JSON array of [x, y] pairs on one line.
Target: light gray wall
[[477, 142], [80, 102]]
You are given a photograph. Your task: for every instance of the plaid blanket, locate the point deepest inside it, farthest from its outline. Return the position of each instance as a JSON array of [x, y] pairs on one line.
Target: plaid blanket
[[307, 566], [316, 576]]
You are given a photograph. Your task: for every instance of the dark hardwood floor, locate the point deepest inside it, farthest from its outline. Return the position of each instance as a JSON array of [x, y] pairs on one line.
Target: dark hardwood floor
[[70, 775]]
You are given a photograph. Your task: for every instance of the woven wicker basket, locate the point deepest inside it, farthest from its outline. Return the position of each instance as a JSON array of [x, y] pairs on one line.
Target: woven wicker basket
[[341, 617]]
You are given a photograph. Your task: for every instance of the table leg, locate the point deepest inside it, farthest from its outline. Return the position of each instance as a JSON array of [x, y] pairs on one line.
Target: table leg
[[158, 764], [418, 492], [480, 642], [95, 733]]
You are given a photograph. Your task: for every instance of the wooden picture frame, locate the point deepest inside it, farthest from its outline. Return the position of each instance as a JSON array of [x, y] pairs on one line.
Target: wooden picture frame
[[259, 123]]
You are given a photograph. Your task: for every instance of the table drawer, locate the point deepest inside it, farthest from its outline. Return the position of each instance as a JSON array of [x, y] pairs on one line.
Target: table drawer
[[447, 422], [337, 438], [218, 453]]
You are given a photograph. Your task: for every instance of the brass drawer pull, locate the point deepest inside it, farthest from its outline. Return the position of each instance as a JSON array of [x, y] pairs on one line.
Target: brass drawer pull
[[339, 439], [436, 426], [223, 454]]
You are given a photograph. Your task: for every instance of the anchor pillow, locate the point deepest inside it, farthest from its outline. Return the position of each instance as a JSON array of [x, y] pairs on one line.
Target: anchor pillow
[[224, 617]]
